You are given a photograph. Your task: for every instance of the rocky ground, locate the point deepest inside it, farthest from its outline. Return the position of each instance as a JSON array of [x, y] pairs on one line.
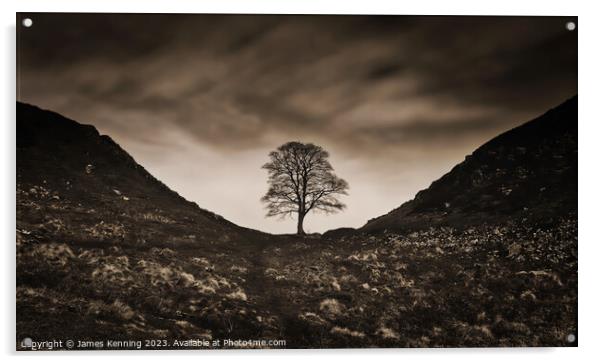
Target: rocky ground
[[486, 286], [507, 285]]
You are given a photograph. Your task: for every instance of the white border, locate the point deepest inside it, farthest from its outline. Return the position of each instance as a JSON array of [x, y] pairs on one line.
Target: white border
[[590, 84]]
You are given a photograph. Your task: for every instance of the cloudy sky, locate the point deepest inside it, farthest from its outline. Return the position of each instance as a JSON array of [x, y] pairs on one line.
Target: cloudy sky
[[200, 100]]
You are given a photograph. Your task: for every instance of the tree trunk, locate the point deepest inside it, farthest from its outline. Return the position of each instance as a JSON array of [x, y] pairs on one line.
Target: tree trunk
[[300, 224]]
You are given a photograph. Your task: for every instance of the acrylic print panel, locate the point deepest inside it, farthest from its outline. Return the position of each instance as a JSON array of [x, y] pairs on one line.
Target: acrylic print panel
[[277, 181]]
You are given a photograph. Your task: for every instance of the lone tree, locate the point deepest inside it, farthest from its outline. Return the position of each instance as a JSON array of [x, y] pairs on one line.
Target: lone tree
[[300, 180]]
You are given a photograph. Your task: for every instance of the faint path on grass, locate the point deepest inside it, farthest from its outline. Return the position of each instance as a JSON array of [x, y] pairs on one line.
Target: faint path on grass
[[265, 293]]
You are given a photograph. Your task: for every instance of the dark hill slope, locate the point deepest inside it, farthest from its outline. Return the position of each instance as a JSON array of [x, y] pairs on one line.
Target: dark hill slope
[[527, 174], [105, 250], [75, 183]]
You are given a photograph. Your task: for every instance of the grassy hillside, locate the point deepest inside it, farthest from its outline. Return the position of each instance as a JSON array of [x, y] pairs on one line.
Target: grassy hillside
[[105, 251], [492, 286], [528, 174]]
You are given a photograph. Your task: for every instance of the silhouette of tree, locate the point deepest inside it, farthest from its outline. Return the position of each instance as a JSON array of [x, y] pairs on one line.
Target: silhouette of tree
[[301, 180]]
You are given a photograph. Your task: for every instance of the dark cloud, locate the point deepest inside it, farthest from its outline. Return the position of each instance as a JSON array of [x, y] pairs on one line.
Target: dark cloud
[[293, 72], [384, 71], [384, 89]]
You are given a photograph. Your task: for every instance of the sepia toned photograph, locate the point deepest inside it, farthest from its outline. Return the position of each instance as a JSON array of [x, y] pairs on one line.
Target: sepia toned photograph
[[223, 181]]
